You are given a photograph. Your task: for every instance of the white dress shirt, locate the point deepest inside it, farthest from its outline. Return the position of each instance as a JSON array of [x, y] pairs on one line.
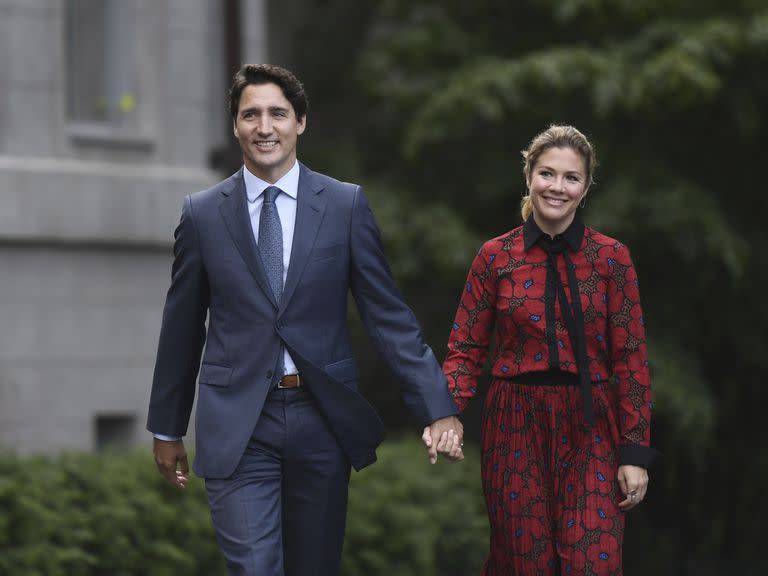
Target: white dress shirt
[[286, 208]]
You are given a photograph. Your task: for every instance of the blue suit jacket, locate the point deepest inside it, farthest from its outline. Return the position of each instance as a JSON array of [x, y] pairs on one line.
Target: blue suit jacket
[[217, 272]]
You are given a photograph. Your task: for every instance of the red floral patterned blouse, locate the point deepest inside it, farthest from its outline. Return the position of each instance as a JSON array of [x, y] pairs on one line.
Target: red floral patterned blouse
[[507, 293]]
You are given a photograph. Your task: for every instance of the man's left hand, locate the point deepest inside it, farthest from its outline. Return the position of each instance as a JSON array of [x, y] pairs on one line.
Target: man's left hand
[[445, 436]]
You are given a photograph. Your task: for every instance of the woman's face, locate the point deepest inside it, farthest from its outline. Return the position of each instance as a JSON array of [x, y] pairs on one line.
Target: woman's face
[[558, 182]]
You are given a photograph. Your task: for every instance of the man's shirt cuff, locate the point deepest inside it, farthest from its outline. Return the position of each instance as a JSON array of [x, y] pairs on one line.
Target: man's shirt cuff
[[166, 438]]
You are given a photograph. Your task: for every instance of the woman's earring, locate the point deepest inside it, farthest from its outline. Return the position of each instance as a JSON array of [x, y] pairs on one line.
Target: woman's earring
[[583, 201]]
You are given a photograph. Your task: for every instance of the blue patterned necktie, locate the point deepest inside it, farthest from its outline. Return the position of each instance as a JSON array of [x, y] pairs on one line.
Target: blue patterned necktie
[[271, 250], [271, 241]]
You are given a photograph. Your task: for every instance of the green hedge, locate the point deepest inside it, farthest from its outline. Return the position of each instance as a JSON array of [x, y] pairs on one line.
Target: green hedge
[[409, 518], [86, 515], [99, 515]]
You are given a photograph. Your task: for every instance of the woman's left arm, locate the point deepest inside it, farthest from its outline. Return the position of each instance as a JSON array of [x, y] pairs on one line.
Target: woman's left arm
[[628, 352]]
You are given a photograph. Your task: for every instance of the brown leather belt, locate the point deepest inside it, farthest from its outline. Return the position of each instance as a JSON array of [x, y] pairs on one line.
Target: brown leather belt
[[289, 381]]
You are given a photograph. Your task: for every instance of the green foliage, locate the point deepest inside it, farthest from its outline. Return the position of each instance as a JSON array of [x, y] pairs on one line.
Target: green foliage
[[89, 515], [410, 518], [675, 65], [419, 237], [83, 515], [683, 400]]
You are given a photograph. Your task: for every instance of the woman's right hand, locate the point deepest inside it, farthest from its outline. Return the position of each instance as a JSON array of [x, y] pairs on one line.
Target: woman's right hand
[[444, 436]]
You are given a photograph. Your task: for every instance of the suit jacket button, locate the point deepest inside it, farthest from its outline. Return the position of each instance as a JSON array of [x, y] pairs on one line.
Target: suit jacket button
[[269, 374]]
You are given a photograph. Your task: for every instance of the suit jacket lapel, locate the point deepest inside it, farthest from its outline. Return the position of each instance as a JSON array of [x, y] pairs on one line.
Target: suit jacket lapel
[[309, 214], [234, 211]]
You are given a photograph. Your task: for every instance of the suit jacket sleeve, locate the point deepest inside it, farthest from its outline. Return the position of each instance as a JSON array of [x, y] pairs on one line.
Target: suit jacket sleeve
[[390, 322], [182, 334]]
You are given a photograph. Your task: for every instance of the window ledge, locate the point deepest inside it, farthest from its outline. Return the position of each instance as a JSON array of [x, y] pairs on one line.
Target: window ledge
[[107, 135]]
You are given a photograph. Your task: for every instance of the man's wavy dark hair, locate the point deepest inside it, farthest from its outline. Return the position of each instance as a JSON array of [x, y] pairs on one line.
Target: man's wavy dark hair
[[257, 74]]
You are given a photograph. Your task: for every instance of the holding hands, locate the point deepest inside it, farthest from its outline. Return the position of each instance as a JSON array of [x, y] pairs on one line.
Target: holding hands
[[444, 436]]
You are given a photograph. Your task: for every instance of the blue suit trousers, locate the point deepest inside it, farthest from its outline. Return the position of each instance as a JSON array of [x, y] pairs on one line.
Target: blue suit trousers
[[283, 510]]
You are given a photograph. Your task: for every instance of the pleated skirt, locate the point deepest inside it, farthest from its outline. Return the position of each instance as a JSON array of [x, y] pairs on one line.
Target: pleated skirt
[[549, 481]]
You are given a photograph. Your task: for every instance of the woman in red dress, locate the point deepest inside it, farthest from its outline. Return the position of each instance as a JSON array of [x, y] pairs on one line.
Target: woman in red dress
[[566, 421]]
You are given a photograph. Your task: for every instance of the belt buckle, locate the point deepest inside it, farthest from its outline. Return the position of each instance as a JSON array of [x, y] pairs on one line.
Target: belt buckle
[[281, 387]]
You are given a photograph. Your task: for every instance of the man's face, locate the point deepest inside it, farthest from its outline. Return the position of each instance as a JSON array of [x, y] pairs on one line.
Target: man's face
[[267, 129]]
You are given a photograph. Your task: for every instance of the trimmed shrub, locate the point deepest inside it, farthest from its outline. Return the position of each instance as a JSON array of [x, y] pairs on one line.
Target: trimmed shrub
[[410, 518], [89, 515], [113, 515]]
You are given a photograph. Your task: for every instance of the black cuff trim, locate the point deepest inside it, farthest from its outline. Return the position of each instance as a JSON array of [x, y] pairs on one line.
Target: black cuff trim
[[637, 455]]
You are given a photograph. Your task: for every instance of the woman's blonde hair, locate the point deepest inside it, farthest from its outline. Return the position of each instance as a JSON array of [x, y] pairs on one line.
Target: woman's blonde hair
[[556, 137]]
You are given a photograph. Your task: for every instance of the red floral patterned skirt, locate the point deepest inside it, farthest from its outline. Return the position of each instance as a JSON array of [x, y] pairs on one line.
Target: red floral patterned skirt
[[550, 481]]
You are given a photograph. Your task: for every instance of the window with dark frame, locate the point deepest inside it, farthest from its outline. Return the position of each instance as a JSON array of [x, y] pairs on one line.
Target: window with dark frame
[[101, 63], [114, 432]]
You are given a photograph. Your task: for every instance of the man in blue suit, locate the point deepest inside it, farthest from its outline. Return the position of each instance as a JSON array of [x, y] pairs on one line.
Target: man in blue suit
[[268, 256]]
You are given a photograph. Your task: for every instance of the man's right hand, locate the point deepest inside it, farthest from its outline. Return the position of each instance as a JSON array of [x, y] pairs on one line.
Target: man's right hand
[[171, 460]]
